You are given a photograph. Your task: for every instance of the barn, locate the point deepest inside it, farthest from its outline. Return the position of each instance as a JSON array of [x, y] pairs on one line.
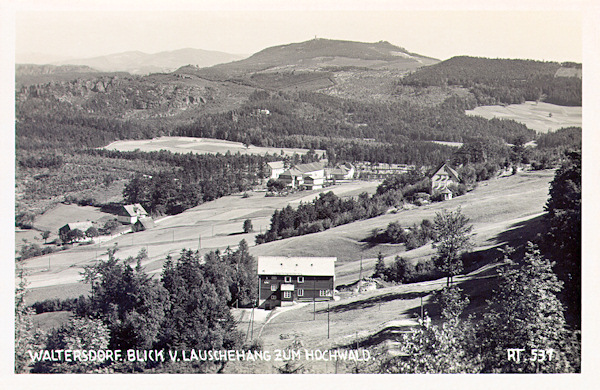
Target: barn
[[285, 280]]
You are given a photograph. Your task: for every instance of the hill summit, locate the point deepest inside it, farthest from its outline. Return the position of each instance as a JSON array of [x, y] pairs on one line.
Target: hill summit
[[325, 54]]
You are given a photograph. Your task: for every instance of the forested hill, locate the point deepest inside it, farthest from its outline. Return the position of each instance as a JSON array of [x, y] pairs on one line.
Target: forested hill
[[504, 81], [320, 55]]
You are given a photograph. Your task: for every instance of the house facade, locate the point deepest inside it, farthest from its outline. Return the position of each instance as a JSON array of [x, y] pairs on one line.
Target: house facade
[[130, 213], [276, 168], [295, 177], [285, 280], [341, 172], [442, 177]]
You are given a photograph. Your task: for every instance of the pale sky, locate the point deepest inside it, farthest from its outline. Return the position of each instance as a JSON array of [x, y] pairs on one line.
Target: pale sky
[[65, 29]]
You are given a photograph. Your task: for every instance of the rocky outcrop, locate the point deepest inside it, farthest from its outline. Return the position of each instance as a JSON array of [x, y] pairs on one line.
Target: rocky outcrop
[[117, 95]]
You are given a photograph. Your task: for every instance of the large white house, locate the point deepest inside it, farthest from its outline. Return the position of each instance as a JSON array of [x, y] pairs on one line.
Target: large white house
[[276, 168], [442, 178], [130, 213], [310, 176]]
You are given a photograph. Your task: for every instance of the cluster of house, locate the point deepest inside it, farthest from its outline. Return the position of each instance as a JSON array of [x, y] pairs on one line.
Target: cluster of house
[[373, 171], [315, 175], [133, 215], [311, 176]]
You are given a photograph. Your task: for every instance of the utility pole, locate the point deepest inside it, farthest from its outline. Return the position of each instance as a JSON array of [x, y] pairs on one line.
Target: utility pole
[[421, 307], [314, 297], [360, 274], [199, 241], [252, 324], [328, 320]]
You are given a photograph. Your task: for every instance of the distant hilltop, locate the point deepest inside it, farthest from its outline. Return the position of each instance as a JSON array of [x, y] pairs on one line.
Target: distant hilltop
[[137, 62]]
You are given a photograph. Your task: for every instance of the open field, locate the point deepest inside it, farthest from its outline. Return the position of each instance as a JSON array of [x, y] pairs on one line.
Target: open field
[[210, 226], [541, 117], [199, 146]]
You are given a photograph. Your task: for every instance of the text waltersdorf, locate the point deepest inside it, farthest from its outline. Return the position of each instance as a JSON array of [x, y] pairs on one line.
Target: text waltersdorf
[[195, 355]]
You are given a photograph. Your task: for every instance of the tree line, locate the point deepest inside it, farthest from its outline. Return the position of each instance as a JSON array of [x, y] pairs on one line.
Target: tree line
[[502, 81], [188, 307]]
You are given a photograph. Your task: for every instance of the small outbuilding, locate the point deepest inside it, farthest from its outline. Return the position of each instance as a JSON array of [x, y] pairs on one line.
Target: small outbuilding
[[143, 223]]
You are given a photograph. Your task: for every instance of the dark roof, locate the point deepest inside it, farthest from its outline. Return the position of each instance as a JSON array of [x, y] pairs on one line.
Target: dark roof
[[83, 226], [448, 168]]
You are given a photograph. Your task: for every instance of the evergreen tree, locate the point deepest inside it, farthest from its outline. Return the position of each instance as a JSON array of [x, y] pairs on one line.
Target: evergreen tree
[[526, 313], [564, 229], [380, 269], [26, 337]]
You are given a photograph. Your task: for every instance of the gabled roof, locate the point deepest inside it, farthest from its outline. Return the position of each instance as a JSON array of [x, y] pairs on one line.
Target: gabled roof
[[134, 210], [448, 169], [310, 167], [305, 266], [83, 226], [276, 164], [146, 222]]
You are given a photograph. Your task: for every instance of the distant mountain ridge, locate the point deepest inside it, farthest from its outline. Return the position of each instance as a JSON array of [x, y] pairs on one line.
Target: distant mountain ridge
[[137, 62], [324, 54]]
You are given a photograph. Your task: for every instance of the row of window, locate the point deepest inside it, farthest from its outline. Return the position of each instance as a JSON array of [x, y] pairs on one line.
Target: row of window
[[287, 279], [300, 292]]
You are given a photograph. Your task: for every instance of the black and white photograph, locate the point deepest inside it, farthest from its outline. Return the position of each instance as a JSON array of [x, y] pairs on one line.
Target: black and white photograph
[[312, 187]]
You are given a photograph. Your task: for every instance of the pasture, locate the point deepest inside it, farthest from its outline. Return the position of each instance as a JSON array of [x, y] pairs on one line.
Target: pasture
[[209, 226], [499, 210], [200, 146], [539, 116]]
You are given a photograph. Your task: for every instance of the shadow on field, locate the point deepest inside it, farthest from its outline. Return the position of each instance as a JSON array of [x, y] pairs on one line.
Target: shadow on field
[[478, 290], [515, 236], [372, 301]]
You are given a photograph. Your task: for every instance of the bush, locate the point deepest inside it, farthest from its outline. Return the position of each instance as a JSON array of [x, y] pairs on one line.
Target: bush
[[24, 220]]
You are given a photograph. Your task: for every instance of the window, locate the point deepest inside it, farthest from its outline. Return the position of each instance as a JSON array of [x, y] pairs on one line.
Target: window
[[266, 281], [273, 297], [287, 294], [324, 293], [273, 287], [300, 292], [300, 279], [273, 277], [288, 279]]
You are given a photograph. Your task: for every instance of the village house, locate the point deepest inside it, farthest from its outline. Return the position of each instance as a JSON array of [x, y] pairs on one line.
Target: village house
[[143, 223], [130, 213], [285, 280], [341, 172], [296, 176], [275, 168], [442, 177], [81, 226]]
